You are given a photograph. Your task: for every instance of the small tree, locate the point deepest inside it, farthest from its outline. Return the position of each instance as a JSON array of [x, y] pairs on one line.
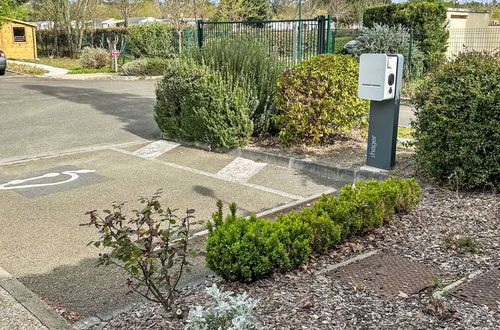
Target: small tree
[[147, 245], [177, 11]]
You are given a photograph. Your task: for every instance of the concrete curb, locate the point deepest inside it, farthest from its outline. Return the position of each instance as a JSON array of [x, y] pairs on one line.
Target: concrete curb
[[313, 166], [46, 315]]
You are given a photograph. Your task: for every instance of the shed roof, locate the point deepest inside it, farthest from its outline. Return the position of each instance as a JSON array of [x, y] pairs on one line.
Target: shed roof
[[21, 22]]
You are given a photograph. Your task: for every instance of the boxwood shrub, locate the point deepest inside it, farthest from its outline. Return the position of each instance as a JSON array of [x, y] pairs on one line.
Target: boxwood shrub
[[318, 98], [196, 104], [240, 249], [457, 122]]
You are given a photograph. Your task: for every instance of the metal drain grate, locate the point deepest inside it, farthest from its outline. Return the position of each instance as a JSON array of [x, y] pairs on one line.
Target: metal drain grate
[[388, 275], [482, 290]]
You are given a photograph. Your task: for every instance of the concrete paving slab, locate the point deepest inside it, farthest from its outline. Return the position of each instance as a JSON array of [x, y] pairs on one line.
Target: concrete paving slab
[[196, 158], [14, 316], [293, 181]]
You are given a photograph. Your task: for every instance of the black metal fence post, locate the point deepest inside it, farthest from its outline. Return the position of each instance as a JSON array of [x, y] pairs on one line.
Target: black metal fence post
[[321, 35], [199, 31]]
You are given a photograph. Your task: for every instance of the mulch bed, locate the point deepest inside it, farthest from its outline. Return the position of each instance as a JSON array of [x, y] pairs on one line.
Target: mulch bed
[[308, 298]]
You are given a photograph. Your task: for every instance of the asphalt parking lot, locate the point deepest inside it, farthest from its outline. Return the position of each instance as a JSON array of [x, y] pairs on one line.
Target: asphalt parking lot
[[72, 146]]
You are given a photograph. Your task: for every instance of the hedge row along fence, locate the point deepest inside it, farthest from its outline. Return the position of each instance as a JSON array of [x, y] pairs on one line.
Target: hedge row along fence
[[53, 42], [426, 20], [240, 249]]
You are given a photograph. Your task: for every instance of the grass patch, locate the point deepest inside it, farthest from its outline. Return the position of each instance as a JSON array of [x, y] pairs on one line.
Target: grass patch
[[84, 70], [405, 132], [26, 69], [461, 243], [58, 62]]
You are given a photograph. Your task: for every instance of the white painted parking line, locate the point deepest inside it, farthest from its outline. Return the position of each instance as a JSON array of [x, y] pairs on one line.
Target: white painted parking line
[[215, 176], [155, 149], [241, 169], [72, 151]]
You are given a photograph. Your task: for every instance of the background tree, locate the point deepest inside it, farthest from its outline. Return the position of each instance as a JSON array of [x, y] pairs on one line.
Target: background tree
[[342, 11], [177, 11], [13, 9], [127, 8], [243, 10]]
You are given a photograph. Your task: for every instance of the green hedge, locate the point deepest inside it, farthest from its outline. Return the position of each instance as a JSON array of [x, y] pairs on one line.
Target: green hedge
[[248, 61], [458, 122], [196, 104], [426, 20], [240, 249]]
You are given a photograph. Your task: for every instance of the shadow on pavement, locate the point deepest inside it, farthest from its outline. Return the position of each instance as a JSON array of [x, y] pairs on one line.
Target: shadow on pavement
[[135, 111]]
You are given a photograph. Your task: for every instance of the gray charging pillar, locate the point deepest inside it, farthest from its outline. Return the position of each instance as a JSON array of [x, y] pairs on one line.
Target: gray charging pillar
[[384, 93]]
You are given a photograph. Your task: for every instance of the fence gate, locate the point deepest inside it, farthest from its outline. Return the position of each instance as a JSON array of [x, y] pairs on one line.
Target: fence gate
[[290, 40]]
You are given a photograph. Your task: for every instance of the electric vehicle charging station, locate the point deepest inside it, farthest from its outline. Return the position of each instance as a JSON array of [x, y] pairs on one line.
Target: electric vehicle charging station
[[380, 78]]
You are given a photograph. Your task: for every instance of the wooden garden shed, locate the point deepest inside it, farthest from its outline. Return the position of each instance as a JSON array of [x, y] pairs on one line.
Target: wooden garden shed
[[18, 39]]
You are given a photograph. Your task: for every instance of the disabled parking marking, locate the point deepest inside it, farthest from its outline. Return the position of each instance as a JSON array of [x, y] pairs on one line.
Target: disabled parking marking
[[73, 176], [51, 181]]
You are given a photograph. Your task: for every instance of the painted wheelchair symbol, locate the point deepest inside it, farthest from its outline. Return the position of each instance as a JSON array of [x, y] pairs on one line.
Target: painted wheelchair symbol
[[19, 184]]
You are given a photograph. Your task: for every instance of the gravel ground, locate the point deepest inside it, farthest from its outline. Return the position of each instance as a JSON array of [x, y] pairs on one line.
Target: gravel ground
[[311, 299]]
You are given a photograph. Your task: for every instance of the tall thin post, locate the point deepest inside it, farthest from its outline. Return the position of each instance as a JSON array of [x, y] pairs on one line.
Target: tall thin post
[[328, 27], [409, 55], [300, 32], [200, 33]]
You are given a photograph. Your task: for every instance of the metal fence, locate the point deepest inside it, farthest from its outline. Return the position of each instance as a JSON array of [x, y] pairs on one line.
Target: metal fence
[[290, 40], [479, 39]]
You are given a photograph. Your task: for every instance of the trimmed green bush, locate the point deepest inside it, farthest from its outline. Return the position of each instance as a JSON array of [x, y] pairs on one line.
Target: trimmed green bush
[[426, 19], [247, 249], [195, 104], [318, 99], [249, 62], [242, 249], [295, 237], [153, 39], [325, 232], [457, 122], [146, 67]]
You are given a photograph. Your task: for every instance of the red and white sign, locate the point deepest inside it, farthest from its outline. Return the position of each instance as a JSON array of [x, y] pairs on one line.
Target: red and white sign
[[115, 52]]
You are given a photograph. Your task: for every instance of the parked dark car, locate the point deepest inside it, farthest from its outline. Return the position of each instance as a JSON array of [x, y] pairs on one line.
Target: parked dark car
[[349, 46], [3, 63]]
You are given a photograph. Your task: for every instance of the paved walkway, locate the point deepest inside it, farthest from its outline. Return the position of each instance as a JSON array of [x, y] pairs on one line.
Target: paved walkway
[[53, 71]]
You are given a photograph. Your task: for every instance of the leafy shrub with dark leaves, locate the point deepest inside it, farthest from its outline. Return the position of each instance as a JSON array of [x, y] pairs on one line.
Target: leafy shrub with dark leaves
[[457, 122], [196, 104], [151, 245]]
